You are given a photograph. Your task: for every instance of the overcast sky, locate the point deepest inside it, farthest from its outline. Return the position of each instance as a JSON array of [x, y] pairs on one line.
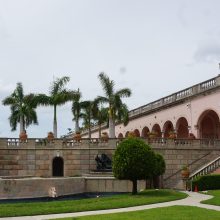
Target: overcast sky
[[154, 47]]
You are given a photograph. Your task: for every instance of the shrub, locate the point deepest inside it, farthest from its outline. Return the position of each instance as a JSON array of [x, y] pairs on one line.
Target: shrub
[[207, 182], [133, 160]]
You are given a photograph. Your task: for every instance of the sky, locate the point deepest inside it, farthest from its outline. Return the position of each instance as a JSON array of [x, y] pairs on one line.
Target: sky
[[153, 47]]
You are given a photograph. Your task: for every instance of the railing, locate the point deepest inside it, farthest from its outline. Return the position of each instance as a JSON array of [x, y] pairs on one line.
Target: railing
[[190, 164], [207, 169], [196, 89], [113, 142]]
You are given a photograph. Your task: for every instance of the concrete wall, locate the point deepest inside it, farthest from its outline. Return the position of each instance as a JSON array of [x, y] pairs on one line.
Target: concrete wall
[[39, 187]]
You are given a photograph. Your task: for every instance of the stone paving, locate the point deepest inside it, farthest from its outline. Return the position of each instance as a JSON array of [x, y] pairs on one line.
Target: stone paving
[[193, 199]]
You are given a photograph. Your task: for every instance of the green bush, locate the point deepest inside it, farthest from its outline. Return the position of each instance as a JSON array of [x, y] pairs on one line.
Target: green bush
[[207, 182], [133, 160]]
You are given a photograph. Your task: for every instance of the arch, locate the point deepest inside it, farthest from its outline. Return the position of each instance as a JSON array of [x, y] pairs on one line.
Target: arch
[[182, 128], [126, 134], [208, 125], [156, 128], [137, 133], [145, 132], [167, 128], [120, 135], [58, 166]]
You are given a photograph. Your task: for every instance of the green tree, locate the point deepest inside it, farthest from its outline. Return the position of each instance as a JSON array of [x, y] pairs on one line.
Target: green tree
[[23, 108], [100, 115], [88, 114], [133, 160], [77, 110], [159, 168], [58, 95], [117, 110]]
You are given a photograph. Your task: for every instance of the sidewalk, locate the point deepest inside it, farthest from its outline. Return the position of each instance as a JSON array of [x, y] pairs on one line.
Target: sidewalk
[[193, 199]]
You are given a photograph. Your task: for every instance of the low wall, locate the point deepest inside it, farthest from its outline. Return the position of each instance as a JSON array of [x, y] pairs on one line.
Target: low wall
[[39, 187], [110, 184]]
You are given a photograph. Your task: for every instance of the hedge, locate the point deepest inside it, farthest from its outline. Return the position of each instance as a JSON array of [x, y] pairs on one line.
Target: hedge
[[206, 182]]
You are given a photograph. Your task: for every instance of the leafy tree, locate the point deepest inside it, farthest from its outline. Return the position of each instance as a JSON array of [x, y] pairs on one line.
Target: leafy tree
[[23, 108], [58, 95], [77, 110], [159, 168], [133, 160], [117, 110]]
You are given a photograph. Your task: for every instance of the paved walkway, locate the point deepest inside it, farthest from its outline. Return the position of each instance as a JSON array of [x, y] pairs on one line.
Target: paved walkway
[[193, 199]]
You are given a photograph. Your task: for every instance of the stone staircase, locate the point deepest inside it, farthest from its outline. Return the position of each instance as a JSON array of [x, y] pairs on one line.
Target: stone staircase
[[211, 167], [197, 168]]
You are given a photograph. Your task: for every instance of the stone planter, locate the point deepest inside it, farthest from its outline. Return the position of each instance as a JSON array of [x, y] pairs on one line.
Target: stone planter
[[77, 137], [23, 136], [185, 173], [50, 136], [104, 136]]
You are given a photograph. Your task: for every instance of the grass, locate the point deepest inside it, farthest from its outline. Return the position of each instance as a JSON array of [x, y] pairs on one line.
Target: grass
[[118, 201], [168, 213], [215, 200]]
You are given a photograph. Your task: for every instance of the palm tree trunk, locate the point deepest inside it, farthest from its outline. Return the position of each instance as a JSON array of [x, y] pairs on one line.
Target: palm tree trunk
[[21, 124], [89, 128], [55, 122], [111, 127], [100, 128], [77, 125]]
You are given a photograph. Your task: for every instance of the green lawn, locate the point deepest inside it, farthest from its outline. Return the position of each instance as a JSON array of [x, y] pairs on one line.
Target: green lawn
[[168, 213], [117, 201], [215, 200]]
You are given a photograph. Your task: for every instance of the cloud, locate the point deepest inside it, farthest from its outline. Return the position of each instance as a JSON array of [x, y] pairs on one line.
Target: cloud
[[208, 53]]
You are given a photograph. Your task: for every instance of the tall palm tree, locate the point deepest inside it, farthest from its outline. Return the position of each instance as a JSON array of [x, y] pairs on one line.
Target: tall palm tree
[[77, 110], [87, 114], [100, 114], [23, 108], [58, 95], [117, 110]]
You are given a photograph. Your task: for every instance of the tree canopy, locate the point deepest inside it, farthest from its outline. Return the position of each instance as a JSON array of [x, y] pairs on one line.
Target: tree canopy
[[23, 108], [133, 160], [117, 110]]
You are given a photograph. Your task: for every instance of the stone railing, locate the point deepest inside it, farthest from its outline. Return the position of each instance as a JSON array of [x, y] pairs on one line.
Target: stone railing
[[34, 143], [207, 169], [191, 91], [111, 142]]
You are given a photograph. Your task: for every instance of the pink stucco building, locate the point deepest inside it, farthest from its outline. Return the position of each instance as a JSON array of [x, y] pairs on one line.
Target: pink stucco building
[[190, 113]]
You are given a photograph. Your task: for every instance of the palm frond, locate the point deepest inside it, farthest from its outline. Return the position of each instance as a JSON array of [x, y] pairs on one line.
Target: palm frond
[[122, 93], [58, 85], [107, 84]]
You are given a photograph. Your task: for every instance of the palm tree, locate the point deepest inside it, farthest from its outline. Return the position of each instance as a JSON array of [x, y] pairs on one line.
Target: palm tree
[[117, 110], [88, 114], [100, 114], [23, 108], [58, 95], [77, 110]]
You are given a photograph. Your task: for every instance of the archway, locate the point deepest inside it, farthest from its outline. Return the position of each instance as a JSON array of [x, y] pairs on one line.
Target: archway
[[182, 128], [157, 130], [145, 132], [126, 134], [137, 133], [120, 136], [167, 128], [209, 125], [58, 166]]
